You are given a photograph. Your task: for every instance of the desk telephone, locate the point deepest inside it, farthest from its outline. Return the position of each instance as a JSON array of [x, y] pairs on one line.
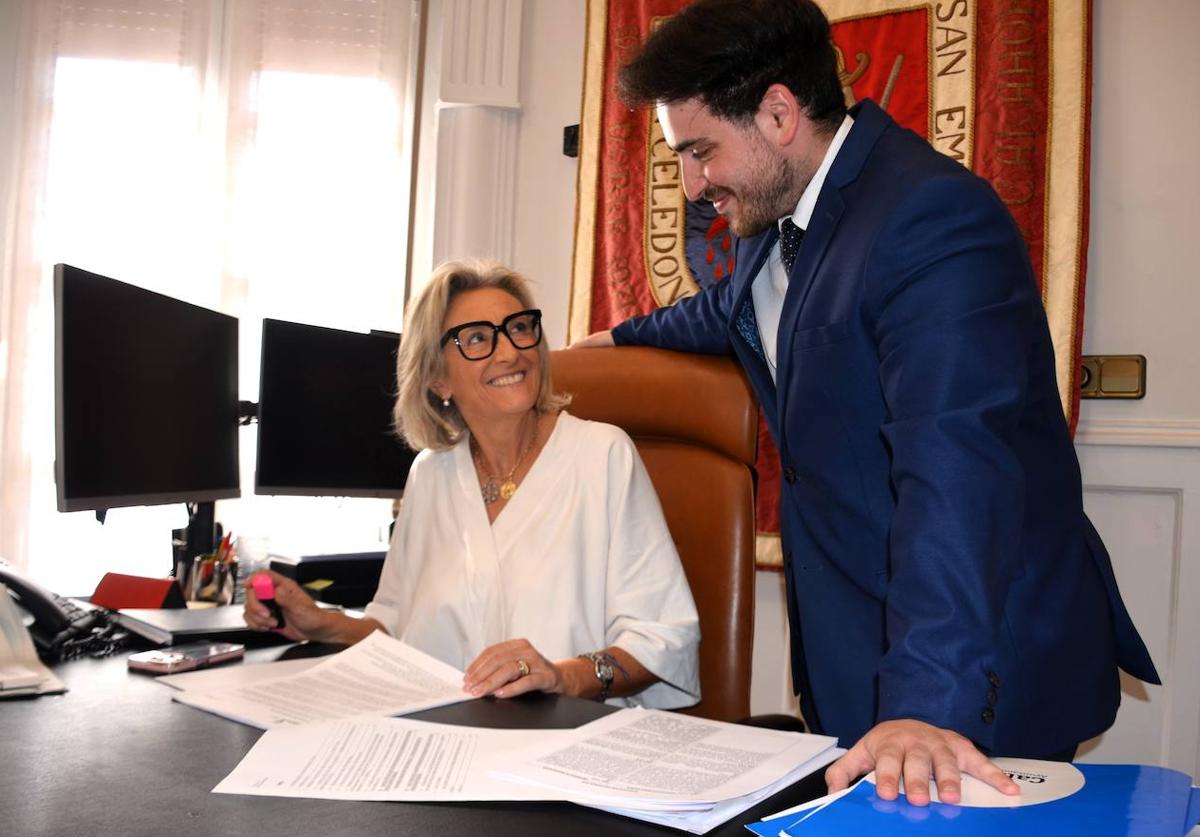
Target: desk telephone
[[52, 621]]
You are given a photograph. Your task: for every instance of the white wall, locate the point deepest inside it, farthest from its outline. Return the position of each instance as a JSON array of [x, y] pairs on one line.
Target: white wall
[[492, 179], [1142, 293], [551, 81]]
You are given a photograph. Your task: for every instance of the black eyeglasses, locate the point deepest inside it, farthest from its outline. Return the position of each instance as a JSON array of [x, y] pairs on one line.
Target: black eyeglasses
[[477, 340]]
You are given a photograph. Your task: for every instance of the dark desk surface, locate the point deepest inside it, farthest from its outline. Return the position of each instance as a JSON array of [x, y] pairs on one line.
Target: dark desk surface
[[116, 756]]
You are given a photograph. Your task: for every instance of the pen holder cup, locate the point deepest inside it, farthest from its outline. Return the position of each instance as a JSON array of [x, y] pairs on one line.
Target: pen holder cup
[[212, 580]]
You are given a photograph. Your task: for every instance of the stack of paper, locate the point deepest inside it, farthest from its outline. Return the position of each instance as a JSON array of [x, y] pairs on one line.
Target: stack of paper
[[375, 677], [384, 760], [674, 770], [21, 672], [687, 773]]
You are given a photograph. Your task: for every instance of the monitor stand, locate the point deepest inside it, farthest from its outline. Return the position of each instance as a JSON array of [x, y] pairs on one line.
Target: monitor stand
[[199, 538]]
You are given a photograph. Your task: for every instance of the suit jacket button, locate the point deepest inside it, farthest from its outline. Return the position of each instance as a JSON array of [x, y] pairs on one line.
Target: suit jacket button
[[994, 679], [988, 715], [789, 474], [992, 697]]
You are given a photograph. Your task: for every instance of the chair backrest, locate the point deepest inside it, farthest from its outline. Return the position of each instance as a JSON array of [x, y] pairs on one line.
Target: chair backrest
[[695, 422]]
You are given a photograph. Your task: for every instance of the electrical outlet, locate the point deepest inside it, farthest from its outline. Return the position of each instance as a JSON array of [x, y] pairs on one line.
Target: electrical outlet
[[1113, 376]]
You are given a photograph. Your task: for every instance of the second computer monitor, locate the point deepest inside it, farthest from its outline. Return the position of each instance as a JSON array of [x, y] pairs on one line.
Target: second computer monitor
[[325, 414]]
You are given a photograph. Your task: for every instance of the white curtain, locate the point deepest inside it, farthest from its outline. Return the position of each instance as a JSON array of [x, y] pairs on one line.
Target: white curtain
[[251, 156]]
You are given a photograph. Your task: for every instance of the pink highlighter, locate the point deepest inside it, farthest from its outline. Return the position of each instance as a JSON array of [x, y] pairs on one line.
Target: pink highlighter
[[264, 589]]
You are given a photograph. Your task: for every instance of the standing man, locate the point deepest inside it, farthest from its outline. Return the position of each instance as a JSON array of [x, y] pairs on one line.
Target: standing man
[[947, 596]]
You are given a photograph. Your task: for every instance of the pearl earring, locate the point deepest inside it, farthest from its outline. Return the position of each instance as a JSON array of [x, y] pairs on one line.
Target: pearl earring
[[445, 402]]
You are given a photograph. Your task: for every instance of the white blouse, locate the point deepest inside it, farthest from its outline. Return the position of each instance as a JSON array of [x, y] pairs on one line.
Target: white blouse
[[579, 559]]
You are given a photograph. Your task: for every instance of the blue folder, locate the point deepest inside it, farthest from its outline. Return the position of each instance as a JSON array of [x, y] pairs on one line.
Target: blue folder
[[1117, 800]]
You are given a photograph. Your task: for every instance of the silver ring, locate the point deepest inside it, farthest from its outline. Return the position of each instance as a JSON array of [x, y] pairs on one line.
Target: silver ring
[[522, 668]]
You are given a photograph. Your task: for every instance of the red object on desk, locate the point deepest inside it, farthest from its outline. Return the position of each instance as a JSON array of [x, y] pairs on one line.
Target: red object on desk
[[116, 591]]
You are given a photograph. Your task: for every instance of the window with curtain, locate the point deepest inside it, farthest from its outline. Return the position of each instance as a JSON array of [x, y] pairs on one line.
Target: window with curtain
[[251, 156]]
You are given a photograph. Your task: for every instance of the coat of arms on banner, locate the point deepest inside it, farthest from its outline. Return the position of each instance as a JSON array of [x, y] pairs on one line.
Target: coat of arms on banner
[[1002, 86]]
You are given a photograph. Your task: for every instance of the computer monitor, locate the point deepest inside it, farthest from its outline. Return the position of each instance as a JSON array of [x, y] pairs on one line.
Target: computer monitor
[[325, 413], [146, 407]]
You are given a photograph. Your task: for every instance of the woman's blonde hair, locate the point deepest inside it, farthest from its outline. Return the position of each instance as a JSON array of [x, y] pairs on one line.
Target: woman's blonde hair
[[419, 414]]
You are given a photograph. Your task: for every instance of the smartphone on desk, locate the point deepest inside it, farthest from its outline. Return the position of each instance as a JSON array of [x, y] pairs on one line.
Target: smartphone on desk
[[176, 658]]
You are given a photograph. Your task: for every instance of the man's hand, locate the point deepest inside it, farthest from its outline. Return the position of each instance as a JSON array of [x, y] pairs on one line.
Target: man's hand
[[917, 751], [595, 340]]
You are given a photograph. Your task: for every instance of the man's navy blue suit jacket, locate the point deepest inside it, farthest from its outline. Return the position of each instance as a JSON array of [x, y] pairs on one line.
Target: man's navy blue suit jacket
[[939, 564]]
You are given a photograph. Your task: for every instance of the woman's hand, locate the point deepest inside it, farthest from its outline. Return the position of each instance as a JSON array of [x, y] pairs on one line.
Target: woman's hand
[[512, 668], [304, 619]]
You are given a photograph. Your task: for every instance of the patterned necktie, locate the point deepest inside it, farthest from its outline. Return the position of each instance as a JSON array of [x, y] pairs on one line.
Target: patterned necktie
[[790, 237]]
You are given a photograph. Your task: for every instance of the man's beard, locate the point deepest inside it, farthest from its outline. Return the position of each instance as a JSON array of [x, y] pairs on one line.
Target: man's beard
[[770, 189]]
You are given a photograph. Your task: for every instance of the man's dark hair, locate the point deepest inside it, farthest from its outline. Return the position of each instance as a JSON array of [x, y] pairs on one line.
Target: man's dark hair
[[726, 53]]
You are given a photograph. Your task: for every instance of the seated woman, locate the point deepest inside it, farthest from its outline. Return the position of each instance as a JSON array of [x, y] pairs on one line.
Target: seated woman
[[530, 549]]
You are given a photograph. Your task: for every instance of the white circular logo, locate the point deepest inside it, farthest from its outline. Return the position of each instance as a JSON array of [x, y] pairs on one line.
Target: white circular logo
[[1040, 781]]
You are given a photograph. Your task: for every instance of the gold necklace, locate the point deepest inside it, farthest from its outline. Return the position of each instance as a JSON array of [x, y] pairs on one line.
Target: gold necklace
[[489, 490]]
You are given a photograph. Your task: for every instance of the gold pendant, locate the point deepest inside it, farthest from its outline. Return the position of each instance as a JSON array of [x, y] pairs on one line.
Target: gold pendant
[[508, 489]]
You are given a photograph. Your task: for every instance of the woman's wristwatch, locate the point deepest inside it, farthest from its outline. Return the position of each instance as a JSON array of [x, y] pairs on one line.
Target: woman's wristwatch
[[604, 671]]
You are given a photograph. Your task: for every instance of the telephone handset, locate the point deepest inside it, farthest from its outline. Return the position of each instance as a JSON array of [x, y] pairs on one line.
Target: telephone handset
[[51, 620]]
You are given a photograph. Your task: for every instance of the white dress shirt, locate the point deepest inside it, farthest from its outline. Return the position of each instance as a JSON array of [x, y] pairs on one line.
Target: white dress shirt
[[579, 560], [771, 284]]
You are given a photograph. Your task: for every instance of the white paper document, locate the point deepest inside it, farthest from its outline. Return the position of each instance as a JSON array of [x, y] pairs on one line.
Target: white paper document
[[231, 676], [701, 822], [384, 759], [812, 806], [649, 760], [377, 676]]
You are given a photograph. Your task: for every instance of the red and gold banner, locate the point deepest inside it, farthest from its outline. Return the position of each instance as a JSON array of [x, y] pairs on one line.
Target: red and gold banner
[[1003, 86]]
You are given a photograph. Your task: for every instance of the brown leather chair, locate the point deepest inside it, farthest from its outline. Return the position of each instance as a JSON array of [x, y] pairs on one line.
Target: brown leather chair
[[695, 423]]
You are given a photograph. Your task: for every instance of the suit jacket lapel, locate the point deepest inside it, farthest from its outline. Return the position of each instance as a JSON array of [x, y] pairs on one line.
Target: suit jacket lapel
[[869, 123], [800, 281]]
